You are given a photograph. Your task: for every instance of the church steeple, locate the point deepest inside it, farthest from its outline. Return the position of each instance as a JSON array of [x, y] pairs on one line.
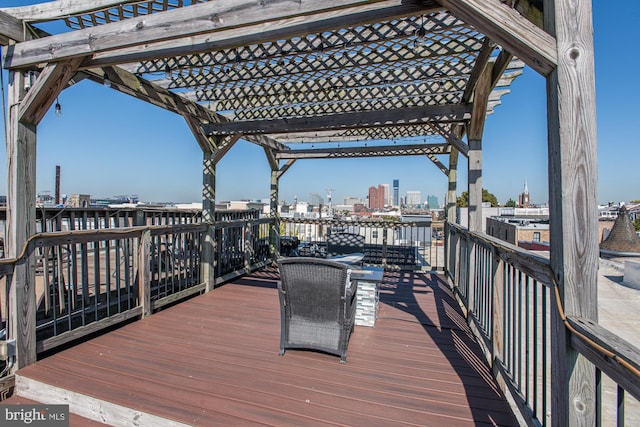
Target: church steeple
[[523, 199]]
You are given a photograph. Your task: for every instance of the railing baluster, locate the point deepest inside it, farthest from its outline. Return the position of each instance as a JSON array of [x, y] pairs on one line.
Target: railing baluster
[[620, 406], [545, 358], [598, 397]]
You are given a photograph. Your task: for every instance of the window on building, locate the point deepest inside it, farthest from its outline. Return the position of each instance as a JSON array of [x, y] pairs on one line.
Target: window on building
[[536, 236], [374, 234]]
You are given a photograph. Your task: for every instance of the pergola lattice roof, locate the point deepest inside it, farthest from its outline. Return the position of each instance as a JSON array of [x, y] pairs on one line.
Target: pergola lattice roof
[[362, 74]]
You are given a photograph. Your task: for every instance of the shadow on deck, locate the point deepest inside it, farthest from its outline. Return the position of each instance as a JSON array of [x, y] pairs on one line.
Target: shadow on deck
[[213, 360]]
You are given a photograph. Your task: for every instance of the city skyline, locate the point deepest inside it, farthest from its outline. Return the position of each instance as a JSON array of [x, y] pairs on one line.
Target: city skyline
[[131, 154]]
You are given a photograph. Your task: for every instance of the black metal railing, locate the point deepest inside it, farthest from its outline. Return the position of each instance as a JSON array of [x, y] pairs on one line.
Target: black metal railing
[[389, 243], [510, 295]]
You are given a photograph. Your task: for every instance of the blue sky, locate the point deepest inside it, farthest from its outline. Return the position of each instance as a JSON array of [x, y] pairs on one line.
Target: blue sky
[[109, 144]]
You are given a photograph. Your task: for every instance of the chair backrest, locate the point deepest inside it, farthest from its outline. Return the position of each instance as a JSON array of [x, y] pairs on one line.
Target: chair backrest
[[314, 288], [344, 243]]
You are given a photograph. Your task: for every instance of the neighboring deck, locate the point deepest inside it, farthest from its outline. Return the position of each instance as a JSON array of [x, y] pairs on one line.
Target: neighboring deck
[[213, 360]]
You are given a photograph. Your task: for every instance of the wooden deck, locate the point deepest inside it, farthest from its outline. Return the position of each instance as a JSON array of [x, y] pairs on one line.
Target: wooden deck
[[213, 360]]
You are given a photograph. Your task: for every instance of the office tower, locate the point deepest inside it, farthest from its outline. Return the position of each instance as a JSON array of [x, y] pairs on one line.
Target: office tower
[[376, 197], [396, 192], [432, 202], [413, 198]]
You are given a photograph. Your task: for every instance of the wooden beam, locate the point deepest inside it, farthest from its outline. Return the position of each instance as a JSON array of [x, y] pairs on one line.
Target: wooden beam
[[351, 120], [60, 9], [139, 88], [501, 64], [529, 10], [224, 145], [286, 167], [509, 29], [375, 151], [481, 62], [438, 164], [51, 81], [573, 182], [11, 28], [224, 23], [206, 143], [271, 158], [275, 31], [452, 138]]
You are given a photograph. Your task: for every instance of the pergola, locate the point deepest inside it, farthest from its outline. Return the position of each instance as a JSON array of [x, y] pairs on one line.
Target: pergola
[[291, 76]]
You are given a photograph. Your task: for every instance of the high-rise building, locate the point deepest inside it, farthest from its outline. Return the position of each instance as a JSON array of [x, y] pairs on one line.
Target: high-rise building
[[432, 202], [350, 201], [396, 192], [376, 197], [315, 199], [413, 198], [387, 194]]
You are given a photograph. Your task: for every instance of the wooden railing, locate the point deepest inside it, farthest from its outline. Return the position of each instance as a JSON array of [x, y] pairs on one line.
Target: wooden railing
[[510, 295], [392, 244], [87, 280]]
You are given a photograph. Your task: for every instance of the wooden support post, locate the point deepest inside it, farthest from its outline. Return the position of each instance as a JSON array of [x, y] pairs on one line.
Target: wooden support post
[[209, 262], [476, 128], [452, 196], [274, 230], [21, 223], [144, 271], [574, 249]]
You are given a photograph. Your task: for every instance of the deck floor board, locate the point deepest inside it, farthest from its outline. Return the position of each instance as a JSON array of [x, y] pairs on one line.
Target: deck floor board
[[213, 360]]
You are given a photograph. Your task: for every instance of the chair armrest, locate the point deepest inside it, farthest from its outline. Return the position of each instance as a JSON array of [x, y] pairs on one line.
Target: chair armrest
[[351, 288]]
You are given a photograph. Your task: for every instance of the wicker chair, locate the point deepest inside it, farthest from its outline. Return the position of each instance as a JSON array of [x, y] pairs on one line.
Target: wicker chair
[[317, 305]]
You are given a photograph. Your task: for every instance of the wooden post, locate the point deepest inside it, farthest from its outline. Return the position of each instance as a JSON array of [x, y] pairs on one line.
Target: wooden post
[[140, 218], [476, 128], [144, 271], [573, 203], [248, 239], [452, 198], [21, 223], [497, 320], [274, 230], [208, 217]]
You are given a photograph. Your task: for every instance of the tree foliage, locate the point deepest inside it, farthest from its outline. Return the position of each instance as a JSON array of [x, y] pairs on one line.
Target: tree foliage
[[510, 203], [636, 224], [463, 200]]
